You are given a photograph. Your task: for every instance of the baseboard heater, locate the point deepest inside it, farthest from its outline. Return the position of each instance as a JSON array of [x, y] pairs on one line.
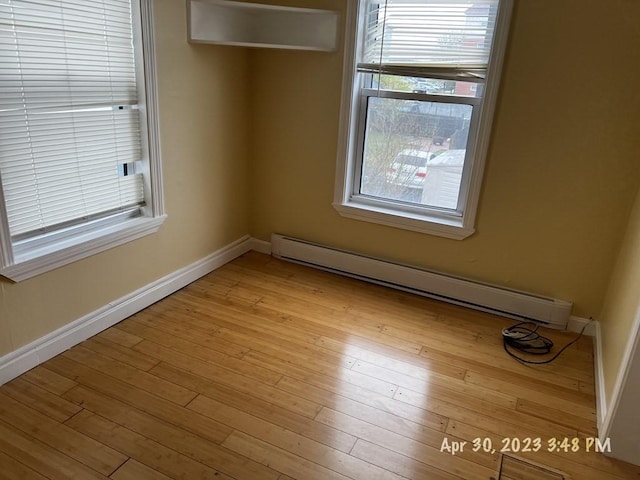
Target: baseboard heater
[[489, 298]]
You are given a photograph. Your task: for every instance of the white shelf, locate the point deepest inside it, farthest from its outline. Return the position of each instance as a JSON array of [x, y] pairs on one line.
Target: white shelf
[[266, 26]]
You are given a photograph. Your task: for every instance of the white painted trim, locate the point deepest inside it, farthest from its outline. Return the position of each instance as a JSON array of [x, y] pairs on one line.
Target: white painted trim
[[151, 107], [623, 373], [576, 324], [41, 350], [348, 105], [260, 246], [81, 246], [448, 227], [598, 366]]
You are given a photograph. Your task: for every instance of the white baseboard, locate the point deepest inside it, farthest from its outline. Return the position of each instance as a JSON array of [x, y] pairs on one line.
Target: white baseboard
[[41, 350], [260, 246], [576, 324], [610, 411], [592, 329], [598, 366]]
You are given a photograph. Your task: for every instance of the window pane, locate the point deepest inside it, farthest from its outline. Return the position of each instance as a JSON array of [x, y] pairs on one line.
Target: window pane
[[397, 83], [414, 151]]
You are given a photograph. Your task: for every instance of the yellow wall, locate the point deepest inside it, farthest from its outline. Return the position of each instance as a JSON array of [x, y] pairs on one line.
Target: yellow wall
[[622, 303], [562, 167], [203, 121]]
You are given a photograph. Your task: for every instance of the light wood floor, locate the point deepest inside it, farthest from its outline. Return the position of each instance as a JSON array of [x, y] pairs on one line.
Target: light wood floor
[[269, 370]]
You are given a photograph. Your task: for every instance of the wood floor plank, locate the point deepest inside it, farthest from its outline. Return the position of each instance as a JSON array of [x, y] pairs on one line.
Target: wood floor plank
[[46, 379], [344, 375], [362, 404], [511, 383], [163, 433], [567, 400], [365, 299], [326, 297], [347, 290], [259, 408], [130, 375], [231, 379], [347, 328], [234, 320], [166, 322], [560, 417], [436, 385], [42, 458], [400, 464], [122, 354], [588, 389], [202, 353], [142, 400], [418, 368], [479, 410], [490, 326], [133, 470], [226, 310], [337, 319], [12, 469], [280, 459], [116, 335], [310, 356], [59, 437], [292, 442], [567, 378], [40, 399], [487, 364], [426, 449], [158, 457], [489, 340], [245, 323]]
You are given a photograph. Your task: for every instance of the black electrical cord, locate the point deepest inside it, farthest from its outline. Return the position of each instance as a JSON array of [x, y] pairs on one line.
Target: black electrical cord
[[524, 339]]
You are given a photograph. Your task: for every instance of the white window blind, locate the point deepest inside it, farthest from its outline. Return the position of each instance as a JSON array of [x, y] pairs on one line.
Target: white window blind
[[447, 39], [69, 122]]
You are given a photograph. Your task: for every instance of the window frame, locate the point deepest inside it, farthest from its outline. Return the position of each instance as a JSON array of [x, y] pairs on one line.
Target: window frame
[[347, 198], [20, 260]]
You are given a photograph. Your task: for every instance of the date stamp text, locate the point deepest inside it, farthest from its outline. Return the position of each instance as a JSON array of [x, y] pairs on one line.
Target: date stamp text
[[527, 444]]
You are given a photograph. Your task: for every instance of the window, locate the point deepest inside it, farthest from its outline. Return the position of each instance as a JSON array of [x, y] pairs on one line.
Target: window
[[79, 154], [421, 78]]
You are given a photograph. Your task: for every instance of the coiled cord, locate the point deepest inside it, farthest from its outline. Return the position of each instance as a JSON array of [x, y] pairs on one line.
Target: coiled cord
[[520, 337]]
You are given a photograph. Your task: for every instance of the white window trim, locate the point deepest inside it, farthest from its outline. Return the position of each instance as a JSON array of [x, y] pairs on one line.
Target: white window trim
[[351, 205], [98, 238]]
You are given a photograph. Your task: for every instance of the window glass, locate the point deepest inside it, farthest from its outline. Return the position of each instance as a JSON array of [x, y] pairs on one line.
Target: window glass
[[414, 151]]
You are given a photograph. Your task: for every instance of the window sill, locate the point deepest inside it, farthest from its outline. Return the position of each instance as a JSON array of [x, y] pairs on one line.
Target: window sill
[[60, 253], [442, 226]]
